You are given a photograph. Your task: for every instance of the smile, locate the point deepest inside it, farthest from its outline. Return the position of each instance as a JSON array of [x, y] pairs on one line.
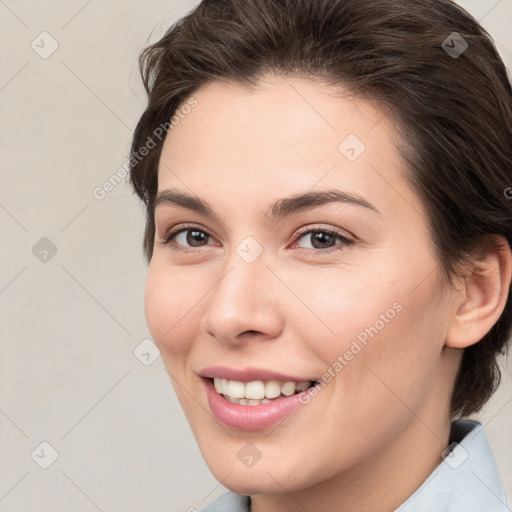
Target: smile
[[257, 392], [255, 404]]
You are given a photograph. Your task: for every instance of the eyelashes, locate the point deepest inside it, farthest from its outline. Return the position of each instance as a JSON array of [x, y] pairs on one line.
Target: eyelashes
[[316, 235]]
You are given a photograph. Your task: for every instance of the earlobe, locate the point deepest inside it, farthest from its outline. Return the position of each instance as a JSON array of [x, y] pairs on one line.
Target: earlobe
[[480, 302]]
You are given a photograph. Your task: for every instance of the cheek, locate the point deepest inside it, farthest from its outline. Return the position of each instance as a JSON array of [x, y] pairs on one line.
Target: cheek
[[170, 306], [343, 305], [399, 357], [371, 326]]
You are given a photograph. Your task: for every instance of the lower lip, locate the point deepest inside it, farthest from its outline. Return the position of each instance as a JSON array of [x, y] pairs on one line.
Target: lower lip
[[250, 417]]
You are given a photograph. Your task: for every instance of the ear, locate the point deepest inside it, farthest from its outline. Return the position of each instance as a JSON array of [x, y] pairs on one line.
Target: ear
[[481, 300]]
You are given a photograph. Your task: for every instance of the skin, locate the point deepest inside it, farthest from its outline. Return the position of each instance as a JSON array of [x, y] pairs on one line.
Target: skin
[[377, 430]]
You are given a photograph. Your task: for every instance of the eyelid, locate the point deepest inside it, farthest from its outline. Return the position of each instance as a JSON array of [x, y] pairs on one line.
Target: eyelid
[[332, 230]]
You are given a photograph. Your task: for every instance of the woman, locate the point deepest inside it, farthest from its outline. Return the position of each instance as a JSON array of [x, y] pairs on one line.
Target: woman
[[328, 236]]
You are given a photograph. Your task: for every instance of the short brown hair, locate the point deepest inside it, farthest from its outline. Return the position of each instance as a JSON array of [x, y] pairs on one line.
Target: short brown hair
[[452, 104]]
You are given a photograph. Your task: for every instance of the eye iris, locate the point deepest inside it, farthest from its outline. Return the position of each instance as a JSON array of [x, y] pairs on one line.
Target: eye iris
[[323, 238], [195, 237]]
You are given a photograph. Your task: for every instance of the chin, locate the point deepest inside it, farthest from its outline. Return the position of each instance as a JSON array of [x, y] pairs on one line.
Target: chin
[[263, 477], [248, 482]]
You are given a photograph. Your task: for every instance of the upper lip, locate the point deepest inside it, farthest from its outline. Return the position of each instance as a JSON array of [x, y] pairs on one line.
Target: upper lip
[[249, 374]]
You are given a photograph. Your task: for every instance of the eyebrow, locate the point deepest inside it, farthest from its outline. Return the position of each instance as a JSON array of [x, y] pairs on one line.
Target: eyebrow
[[281, 208]]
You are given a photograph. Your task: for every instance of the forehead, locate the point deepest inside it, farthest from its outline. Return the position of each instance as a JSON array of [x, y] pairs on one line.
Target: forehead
[[279, 111], [285, 135]]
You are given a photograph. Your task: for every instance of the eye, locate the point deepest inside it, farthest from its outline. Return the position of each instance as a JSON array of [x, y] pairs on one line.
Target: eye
[[322, 239], [183, 236]]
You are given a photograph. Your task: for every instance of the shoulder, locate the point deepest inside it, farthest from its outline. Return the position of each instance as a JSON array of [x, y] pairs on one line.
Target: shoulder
[[230, 502]]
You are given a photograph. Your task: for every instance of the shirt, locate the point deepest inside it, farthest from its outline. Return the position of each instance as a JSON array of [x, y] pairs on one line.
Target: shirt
[[466, 481]]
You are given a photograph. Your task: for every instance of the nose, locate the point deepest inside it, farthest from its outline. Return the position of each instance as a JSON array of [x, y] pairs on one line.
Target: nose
[[244, 304]]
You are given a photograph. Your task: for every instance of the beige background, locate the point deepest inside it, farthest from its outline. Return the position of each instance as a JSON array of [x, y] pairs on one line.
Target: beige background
[[70, 324]]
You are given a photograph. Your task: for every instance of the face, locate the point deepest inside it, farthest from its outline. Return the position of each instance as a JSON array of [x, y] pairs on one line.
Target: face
[[254, 284]]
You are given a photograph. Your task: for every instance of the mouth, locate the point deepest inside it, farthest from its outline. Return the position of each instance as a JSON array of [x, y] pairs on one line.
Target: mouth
[[256, 404], [258, 392], [252, 398]]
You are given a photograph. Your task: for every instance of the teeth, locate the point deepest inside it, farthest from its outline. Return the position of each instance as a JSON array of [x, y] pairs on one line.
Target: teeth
[[272, 389], [254, 389], [245, 401], [288, 388], [257, 391], [302, 386], [236, 390]]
